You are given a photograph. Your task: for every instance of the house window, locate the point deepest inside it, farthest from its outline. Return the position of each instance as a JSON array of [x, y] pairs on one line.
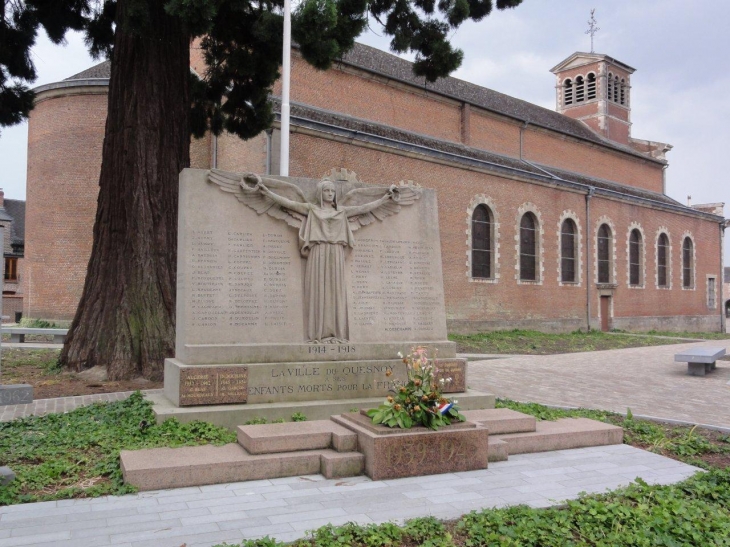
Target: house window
[[635, 258], [662, 251], [687, 263], [591, 86], [567, 251], [11, 269], [568, 92], [528, 247], [579, 89], [711, 293], [481, 242], [604, 253]]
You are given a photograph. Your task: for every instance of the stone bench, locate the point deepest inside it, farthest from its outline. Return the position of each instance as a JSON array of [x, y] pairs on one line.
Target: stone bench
[[699, 360], [17, 334]]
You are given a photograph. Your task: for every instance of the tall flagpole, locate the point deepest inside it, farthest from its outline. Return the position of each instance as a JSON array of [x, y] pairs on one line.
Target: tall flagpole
[[285, 76]]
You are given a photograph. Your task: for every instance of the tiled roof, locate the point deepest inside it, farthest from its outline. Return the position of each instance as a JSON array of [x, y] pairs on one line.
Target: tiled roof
[[102, 70], [388, 65], [16, 209]]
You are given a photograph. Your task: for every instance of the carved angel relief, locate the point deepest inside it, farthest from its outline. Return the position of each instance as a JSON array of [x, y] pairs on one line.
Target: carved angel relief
[[326, 229]]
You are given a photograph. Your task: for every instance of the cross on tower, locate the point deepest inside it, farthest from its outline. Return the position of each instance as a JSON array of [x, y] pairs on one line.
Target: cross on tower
[[592, 27]]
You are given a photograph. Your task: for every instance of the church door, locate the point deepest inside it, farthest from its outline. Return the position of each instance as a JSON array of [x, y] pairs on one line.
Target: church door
[[605, 312]]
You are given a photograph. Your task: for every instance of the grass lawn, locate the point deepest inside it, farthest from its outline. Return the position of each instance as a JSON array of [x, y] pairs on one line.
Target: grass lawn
[[529, 342], [76, 454]]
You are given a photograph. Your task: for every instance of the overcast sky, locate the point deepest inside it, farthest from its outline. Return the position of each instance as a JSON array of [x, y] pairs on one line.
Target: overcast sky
[[680, 90]]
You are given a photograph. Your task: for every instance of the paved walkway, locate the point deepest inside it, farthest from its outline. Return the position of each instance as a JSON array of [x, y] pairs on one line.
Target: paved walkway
[[286, 508], [41, 407], [646, 380]]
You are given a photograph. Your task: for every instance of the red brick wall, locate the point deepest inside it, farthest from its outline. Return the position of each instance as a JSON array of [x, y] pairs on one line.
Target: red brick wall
[[544, 148], [473, 305], [375, 99], [66, 133], [65, 136], [241, 156]]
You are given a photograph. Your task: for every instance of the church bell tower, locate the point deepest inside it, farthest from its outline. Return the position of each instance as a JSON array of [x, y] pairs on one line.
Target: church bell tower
[[596, 89]]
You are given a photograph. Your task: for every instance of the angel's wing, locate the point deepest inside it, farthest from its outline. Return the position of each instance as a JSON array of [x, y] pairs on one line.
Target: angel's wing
[[246, 189], [403, 194]]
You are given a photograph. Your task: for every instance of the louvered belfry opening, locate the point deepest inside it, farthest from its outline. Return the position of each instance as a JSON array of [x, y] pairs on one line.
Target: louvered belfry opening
[[604, 251], [481, 242], [528, 248], [567, 251]]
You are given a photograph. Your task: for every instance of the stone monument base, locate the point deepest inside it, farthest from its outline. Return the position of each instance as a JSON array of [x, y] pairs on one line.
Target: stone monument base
[[268, 373], [349, 444], [233, 415], [392, 453], [16, 394]]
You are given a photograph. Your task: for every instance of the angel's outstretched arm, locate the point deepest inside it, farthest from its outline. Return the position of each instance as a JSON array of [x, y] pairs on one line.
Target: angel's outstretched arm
[[367, 207], [299, 207]]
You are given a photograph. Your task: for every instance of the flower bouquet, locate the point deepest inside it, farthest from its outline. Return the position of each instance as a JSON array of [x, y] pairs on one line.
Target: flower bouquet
[[419, 401]]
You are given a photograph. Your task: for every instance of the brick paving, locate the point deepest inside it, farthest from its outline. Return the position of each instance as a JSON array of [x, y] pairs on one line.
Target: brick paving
[[646, 380], [41, 407]]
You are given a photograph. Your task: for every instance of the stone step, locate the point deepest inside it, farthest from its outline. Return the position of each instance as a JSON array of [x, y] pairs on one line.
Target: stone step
[[561, 435], [296, 436], [500, 421], [498, 450], [161, 468], [233, 415]]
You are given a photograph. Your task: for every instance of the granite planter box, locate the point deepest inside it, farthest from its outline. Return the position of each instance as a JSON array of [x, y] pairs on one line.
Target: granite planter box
[[392, 453]]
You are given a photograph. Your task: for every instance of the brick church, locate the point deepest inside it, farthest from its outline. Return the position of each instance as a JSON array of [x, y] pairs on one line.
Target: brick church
[[552, 220]]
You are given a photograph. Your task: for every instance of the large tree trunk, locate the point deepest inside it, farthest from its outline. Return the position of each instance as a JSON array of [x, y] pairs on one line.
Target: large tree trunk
[[126, 317]]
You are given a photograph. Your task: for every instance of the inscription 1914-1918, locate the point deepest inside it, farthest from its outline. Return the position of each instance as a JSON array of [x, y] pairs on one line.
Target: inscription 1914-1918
[[213, 385]]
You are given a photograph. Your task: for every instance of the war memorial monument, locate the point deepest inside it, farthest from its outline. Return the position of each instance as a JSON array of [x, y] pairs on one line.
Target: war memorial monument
[[296, 296]]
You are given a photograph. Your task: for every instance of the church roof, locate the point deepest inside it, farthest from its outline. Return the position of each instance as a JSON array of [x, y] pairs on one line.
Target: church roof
[[383, 135], [580, 58], [390, 66], [102, 71]]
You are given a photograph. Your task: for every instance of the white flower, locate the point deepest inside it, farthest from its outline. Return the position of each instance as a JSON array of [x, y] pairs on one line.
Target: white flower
[[455, 401], [400, 355], [441, 381]]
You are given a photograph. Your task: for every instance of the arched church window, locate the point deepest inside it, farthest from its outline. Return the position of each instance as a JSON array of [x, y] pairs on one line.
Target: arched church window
[[616, 88], [623, 91], [604, 253], [662, 249], [567, 251], [481, 242], [635, 254], [567, 92], [528, 247], [580, 89], [687, 263], [591, 86]]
